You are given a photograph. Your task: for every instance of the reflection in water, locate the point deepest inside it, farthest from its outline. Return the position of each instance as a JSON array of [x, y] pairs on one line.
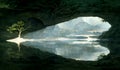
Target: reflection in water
[[75, 39], [70, 48]]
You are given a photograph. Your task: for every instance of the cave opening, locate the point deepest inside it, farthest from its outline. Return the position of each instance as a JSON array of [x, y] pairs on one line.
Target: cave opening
[[75, 39]]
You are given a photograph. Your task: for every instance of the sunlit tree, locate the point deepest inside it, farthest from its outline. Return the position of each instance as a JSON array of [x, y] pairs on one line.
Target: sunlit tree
[[17, 27]]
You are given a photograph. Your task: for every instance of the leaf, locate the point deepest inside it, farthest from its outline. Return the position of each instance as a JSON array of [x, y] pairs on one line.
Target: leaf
[[18, 26], [14, 28], [8, 30], [14, 25]]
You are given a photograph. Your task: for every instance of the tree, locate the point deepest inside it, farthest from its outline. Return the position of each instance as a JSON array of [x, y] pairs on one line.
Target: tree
[[19, 27]]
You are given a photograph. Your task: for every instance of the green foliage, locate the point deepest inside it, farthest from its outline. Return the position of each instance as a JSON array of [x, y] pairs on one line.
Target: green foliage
[[19, 26], [4, 5], [8, 3]]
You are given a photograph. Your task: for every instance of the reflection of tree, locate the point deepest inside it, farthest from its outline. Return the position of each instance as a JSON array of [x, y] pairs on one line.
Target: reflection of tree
[[12, 54]]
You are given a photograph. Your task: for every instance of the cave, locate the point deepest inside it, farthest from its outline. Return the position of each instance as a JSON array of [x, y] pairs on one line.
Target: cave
[[40, 15]]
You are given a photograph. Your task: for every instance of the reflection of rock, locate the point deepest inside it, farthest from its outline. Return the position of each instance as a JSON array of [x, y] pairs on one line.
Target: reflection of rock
[[82, 53], [88, 51]]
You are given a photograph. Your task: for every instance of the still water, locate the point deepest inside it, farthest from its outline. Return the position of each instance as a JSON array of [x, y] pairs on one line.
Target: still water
[[74, 39]]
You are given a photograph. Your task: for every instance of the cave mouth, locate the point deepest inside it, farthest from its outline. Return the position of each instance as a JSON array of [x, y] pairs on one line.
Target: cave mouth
[[74, 39]]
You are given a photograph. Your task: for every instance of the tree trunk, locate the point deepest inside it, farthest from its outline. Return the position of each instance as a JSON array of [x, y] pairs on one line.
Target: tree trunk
[[19, 34]]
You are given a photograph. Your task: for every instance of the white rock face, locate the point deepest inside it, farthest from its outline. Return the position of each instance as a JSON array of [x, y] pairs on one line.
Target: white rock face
[[74, 39]]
